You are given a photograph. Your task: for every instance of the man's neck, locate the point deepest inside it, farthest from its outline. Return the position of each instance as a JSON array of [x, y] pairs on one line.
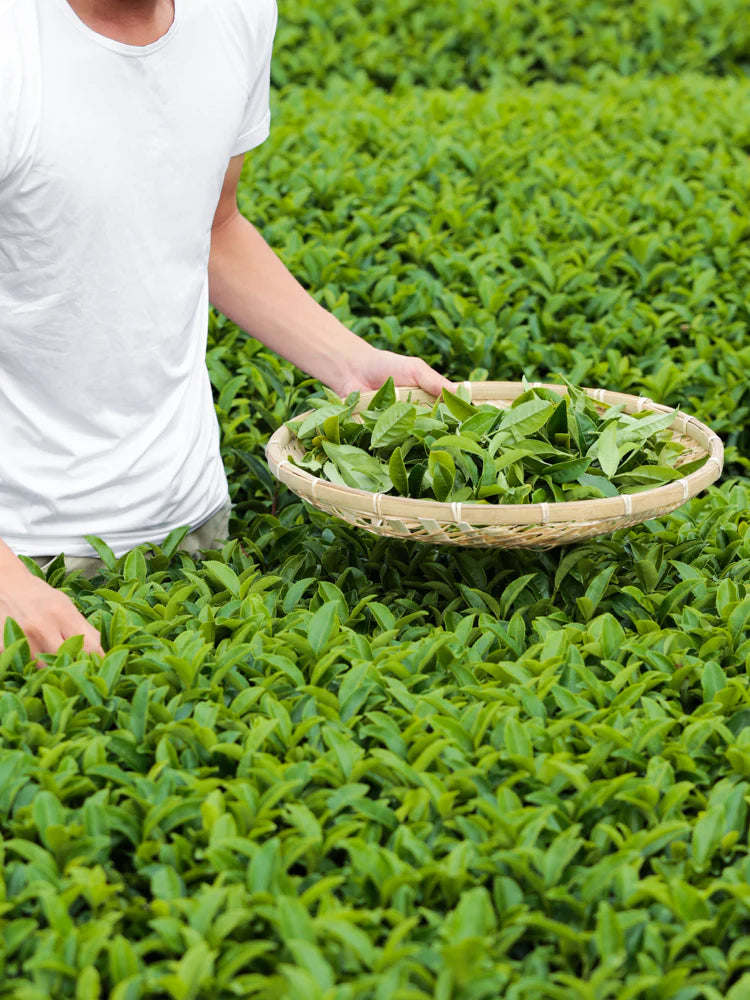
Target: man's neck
[[134, 22]]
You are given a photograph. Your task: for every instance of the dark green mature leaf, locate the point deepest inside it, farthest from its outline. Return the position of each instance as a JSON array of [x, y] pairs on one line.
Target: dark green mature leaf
[[397, 472], [442, 469], [460, 408]]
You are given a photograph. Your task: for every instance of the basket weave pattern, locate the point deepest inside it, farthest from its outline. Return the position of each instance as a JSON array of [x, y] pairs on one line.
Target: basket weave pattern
[[540, 526]]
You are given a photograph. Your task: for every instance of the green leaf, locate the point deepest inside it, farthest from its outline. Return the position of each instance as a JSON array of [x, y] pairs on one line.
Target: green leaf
[[103, 551], [397, 472], [174, 539], [595, 592], [458, 442], [442, 469], [223, 575], [527, 418], [384, 397], [481, 423], [473, 917], [357, 468], [607, 452], [600, 483], [567, 472], [322, 626], [332, 428], [707, 834], [640, 427], [47, 811], [313, 423], [134, 567], [458, 407], [609, 936], [394, 424]]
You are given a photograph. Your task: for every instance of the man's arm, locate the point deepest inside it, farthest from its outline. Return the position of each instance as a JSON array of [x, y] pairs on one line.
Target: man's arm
[[250, 285]]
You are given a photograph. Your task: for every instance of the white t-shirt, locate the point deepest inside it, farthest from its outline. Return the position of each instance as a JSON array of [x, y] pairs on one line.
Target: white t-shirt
[[112, 159]]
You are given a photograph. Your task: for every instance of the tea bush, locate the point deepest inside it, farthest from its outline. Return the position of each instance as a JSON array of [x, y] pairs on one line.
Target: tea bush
[[475, 42], [602, 234], [321, 764]]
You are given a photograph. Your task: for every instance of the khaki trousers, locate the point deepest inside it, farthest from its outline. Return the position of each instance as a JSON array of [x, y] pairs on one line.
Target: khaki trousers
[[210, 535]]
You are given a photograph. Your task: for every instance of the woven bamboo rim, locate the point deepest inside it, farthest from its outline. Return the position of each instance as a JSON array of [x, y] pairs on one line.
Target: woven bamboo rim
[[541, 525]]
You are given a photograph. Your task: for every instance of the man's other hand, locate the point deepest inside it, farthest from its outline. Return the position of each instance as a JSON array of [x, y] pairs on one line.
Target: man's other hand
[[47, 616]]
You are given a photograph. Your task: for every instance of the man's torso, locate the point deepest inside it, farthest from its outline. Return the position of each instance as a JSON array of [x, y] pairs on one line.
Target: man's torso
[[114, 161]]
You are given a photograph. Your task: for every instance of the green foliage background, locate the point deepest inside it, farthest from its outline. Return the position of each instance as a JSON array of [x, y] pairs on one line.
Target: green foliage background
[[323, 765]]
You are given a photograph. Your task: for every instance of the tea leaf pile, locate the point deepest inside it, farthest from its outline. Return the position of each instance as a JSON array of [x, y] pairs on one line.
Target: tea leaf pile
[[319, 764], [544, 448]]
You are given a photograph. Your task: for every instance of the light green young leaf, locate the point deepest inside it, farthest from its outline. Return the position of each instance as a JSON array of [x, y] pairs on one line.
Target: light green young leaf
[[458, 442], [606, 450], [527, 418], [384, 397], [394, 424]]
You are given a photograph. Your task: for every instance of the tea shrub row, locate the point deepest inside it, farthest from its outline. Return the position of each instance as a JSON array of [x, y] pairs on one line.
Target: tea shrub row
[[601, 234], [398, 44], [320, 764]]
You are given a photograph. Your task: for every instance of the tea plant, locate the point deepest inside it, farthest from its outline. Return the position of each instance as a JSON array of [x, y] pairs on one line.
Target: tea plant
[[319, 764], [598, 233], [398, 44]]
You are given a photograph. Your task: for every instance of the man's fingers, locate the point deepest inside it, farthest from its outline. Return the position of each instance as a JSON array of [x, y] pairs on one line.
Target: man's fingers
[[92, 641], [47, 616], [50, 645], [431, 381]]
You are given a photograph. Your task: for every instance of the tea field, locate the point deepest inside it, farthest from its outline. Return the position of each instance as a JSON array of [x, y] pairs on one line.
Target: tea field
[[319, 765]]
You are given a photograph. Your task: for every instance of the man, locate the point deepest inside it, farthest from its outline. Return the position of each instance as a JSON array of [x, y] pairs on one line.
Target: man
[[123, 127]]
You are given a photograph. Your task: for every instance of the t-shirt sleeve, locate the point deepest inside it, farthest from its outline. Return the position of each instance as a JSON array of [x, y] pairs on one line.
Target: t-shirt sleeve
[[256, 120], [17, 89]]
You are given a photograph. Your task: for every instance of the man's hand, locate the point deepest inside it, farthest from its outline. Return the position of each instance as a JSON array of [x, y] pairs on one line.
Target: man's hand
[[375, 367], [47, 616]]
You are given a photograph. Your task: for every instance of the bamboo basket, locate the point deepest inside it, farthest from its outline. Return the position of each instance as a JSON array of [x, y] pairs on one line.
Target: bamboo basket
[[539, 526]]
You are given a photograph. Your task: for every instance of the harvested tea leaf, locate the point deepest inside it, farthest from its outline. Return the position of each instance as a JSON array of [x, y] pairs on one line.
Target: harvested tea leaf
[[546, 447]]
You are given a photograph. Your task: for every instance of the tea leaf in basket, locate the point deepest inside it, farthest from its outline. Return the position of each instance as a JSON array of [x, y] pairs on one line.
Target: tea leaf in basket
[[482, 422], [527, 418], [639, 427], [460, 409], [442, 469], [385, 396], [653, 474], [510, 457], [394, 424], [544, 448], [357, 468], [558, 421], [425, 425], [315, 420], [606, 450], [458, 442], [397, 472], [567, 472], [332, 429], [599, 483]]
